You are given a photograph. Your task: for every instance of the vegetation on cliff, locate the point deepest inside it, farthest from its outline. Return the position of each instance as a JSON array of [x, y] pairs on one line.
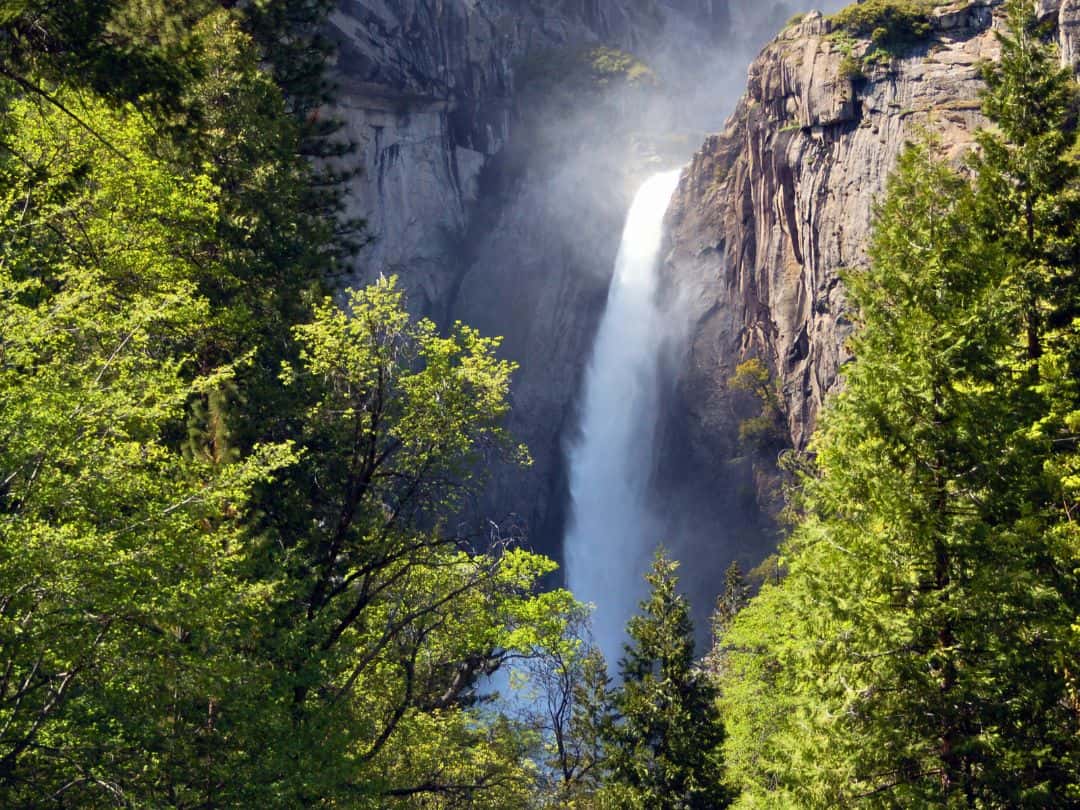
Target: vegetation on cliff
[[922, 649], [228, 574], [891, 26]]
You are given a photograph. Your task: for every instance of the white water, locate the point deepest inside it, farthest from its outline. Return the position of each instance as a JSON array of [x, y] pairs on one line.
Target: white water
[[612, 534]]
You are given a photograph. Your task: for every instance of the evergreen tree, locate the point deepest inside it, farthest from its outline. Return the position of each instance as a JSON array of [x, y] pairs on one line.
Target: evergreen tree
[[122, 50], [918, 654], [590, 722], [733, 598], [664, 748], [1028, 198]]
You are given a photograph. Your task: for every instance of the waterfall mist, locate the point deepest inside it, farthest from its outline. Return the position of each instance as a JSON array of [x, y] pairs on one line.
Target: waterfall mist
[[612, 531], [539, 259]]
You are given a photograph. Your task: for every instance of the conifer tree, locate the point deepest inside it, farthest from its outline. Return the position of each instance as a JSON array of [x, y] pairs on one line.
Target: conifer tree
[[1028, 198], [732, 599], [918, 653], [664, 748]]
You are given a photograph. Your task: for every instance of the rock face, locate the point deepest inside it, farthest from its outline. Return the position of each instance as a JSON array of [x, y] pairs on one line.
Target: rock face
[[426, 92], [773, 208], [425, 89], [489, 207], [538, 276], [504, 213], [1065, 15]]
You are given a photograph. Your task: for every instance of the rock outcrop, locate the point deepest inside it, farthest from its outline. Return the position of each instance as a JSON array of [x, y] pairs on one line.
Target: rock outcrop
[[773, 208]]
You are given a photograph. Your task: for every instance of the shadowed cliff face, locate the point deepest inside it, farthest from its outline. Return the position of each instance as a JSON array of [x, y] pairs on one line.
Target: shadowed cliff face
[[428, 92], [495, 186], [773, 208]]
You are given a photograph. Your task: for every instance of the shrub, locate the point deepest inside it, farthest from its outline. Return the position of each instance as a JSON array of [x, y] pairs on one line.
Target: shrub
[[765, 429], [611, 63], [851, 68], [890, 24], [581, 69]]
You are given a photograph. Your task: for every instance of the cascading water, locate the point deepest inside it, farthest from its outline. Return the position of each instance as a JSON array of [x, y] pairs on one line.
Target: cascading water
[[612, 532]]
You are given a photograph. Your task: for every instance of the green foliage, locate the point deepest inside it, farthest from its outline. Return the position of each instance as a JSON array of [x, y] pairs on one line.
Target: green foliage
[[124, 50], [734, 597], [851, 68], [590, 723], [119, 557], [918, 653], [566, 689], [291, 40], [766, 430], [890, 24], [608, 64], [388, 622], [664, 749], [1027, 179], [227, 577], [551, 73], [771, 569], [219, 587]]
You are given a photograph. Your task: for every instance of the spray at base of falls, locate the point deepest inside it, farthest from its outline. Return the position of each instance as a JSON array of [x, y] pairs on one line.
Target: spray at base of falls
[[612, 533]]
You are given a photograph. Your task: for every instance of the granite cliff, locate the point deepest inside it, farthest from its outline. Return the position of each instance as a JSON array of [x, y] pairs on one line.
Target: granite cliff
[[775, 206], [427, 91], [498, 144], [495, 187]]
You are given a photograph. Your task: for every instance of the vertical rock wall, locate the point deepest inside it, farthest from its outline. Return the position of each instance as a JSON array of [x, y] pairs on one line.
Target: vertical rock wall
[[776, 206], [492, 209], [507, 216]]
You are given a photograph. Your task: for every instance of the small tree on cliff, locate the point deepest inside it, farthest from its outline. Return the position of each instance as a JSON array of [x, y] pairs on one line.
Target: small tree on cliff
[[664, 750]]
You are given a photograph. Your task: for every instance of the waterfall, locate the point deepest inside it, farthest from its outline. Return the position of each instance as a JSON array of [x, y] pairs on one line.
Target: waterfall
[[611, 532]]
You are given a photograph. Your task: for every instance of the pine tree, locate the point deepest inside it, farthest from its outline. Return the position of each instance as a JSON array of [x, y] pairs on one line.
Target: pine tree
[[664, 748], [732, 599], [1028, 197], [918, 653], [590, 720]]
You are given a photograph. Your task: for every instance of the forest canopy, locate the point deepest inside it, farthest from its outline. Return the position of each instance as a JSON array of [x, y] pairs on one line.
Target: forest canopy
[[233, 566], [226, 573]]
